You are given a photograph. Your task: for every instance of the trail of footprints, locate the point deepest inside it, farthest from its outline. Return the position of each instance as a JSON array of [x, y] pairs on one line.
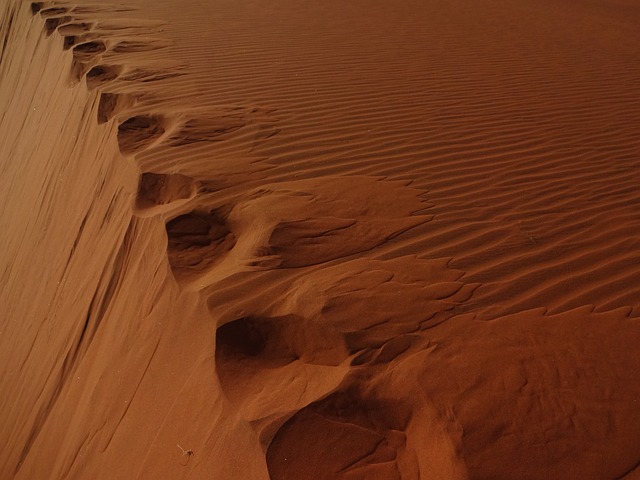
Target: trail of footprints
[[277, 264]]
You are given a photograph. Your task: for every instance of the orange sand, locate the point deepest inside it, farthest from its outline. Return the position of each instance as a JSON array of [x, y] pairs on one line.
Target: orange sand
[[320, 240]]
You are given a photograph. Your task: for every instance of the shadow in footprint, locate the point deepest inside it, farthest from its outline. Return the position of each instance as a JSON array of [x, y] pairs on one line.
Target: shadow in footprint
[[267, 342], [139, 132], [253, 339], [196, 241], [69, 42]]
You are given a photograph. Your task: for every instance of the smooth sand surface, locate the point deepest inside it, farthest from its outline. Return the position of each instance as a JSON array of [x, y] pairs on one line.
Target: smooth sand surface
[[320, 240]]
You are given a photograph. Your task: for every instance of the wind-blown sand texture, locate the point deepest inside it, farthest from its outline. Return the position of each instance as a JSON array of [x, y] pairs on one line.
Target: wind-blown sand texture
[[320, 240]]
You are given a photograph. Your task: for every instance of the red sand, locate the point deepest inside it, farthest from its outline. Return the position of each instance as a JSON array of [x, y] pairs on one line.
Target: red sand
[[320, 240]]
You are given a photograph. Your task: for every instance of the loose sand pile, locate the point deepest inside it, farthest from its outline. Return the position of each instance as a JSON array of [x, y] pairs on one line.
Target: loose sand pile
[[320, 240]]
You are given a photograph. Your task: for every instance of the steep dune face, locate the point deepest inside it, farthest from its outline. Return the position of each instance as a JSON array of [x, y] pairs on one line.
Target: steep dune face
[[339, 240], [65, 196], [87, 289]]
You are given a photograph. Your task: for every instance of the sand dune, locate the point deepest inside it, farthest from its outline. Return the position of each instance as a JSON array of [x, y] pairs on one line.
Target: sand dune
[[334, 240]]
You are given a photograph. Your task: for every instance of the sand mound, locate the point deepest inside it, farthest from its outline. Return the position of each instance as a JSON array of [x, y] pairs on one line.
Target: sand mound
[[322, 241]]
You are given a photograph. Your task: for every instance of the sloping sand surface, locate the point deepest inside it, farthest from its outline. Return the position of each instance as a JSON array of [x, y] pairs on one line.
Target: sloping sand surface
[[320, 240]]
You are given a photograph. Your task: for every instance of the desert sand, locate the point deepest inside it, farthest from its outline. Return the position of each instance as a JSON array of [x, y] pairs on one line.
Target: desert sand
[[320, 240]]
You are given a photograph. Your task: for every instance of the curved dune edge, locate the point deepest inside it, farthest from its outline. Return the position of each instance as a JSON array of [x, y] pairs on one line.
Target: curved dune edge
[[235, 324]]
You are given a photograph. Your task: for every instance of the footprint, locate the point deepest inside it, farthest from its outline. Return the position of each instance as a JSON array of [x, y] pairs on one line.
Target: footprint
[[347, 435], [333, 296], [51, 24], [88, 50], [146, 76], [205, 130], [139, 132], [48, 12], [161, 189], [74, 33], [196, 241], [310, 222], [138, 46], [286, 342], [101, 74], [331, 299], [78, 28], [217, 125], [112, 103], [293, 359], [89, 9], [83, 55]]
